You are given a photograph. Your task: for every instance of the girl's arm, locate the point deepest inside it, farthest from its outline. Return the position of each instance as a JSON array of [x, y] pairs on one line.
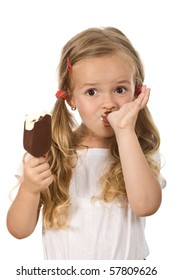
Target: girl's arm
[[23, 214], [143, 188]]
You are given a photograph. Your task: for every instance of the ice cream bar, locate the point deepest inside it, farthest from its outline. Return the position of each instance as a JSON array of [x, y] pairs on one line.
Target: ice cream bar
[[37, 134]]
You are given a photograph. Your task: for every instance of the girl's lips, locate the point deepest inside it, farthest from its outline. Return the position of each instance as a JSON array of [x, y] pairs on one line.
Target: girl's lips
[[104, 119]]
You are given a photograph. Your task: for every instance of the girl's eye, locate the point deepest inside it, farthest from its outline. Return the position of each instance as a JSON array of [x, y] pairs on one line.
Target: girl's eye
[[120, 90], [91, 92]]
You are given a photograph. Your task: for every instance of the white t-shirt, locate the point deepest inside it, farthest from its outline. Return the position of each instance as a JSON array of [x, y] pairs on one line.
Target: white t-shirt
[[97, 230]]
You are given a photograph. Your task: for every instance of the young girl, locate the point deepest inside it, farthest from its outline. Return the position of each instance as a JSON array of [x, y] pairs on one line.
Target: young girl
[[101, 178]]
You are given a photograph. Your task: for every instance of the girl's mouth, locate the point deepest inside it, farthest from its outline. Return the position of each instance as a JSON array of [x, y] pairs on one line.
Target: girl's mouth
[[104, 119]]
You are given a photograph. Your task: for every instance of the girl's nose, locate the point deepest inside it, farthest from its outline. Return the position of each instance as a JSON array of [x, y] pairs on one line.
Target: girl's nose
[[108, 104], [108, 108]]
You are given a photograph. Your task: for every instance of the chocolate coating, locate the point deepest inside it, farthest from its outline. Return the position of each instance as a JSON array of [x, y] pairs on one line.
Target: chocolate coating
[[37, 141]]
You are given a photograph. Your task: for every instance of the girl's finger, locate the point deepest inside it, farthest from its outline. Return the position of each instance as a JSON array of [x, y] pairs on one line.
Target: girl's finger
[[145, 98]]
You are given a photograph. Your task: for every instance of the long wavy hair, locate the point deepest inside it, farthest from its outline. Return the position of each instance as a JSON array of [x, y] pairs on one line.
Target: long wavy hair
[[67, 136]]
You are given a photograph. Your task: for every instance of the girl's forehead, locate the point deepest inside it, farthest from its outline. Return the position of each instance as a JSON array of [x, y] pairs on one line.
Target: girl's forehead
[[103, 68], [105, 62]]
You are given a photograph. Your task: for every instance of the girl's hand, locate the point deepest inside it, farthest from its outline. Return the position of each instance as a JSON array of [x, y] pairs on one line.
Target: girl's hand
[[125, 118], [37, 175]]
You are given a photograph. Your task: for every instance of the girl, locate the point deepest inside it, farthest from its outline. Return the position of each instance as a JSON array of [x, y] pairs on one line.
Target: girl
[[101, 178]]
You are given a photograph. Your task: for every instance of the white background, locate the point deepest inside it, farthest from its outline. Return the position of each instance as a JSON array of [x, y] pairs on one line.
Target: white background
[[32, 34]]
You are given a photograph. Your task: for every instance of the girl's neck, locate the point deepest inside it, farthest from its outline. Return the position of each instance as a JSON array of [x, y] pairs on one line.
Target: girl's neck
[[87, 139], [95, 142]]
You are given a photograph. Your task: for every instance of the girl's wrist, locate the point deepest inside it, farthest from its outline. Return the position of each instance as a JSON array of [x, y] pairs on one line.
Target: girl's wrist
[[25, 190], [125, 134]]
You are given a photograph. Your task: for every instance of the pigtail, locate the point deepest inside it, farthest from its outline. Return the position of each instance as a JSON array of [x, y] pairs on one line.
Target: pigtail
[[61, 158], [63, 125]]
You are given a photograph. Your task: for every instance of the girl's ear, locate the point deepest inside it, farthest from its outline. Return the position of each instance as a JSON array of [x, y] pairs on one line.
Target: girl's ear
[[70, 100]]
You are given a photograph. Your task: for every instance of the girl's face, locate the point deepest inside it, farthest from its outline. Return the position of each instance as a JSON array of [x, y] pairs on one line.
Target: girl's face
[[101, 85]]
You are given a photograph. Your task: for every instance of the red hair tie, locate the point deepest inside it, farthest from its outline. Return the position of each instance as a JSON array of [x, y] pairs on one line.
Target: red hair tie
[[61, 94], [69, 65], [138, 90]]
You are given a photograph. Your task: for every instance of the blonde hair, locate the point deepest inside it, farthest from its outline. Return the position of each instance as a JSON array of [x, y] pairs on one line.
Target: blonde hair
[[66, 136]]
